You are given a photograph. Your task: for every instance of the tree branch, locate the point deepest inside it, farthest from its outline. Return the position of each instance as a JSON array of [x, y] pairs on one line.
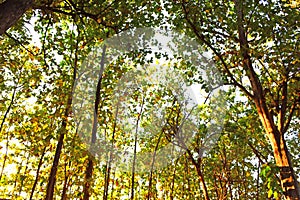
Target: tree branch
[[202, 38], [20, 43], [289, 119]]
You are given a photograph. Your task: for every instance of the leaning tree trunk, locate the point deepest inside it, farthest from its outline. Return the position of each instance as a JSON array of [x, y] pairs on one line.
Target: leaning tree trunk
[[11, 11], [276, 136], [37, 173], [63, 131]]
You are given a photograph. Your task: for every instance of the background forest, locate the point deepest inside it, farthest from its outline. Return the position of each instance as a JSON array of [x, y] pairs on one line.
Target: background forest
[[254, 44]]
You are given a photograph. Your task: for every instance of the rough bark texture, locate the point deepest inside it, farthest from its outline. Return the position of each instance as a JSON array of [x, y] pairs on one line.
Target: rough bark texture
[[11, 11]]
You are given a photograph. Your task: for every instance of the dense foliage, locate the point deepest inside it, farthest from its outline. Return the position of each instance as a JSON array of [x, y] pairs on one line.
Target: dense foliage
[[255, 46]]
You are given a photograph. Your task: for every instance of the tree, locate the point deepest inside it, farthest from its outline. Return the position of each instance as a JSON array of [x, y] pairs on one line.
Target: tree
[[258, 58]]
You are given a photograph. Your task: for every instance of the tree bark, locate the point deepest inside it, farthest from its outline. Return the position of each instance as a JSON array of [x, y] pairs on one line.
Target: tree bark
[[11, 11], [152, 167], [66, 182]]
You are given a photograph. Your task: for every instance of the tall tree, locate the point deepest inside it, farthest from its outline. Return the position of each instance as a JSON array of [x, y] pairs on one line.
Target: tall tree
[[256, 46]]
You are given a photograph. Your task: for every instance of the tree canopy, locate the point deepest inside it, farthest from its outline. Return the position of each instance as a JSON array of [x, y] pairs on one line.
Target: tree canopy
[[48, 47]]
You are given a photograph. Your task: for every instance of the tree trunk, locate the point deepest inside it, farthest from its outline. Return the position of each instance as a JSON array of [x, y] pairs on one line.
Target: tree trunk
[[287, 176], [63, 131], [173, 181], [110, 159], [113, 184], [7, 133], [197, 164], [139, 119], [52, 177], [89, 169], [66, 182], [88, 178], [106, 179], [37, 173], [202, 182], [152, 167], [11, 11]]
